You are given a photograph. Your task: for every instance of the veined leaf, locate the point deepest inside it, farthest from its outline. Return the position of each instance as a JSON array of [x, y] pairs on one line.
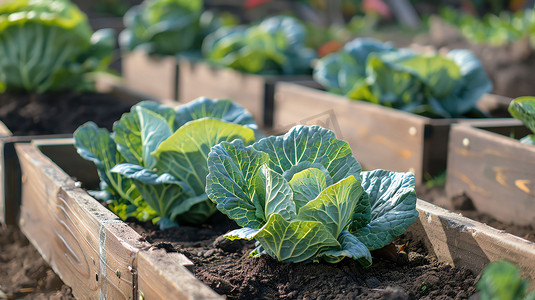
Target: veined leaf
[[352, 248], [393, 207], [307, 185], [274, 195], [334, 207], [154, 130], [294, 241], [231, 184], [222, 110], [313, 144], [184, 154], [95, 144]]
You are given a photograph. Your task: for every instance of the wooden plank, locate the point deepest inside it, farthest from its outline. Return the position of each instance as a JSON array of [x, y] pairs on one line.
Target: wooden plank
[[151, 75], [159, 277], [463, 242], [254, 92], [495, 171], [92, 250]]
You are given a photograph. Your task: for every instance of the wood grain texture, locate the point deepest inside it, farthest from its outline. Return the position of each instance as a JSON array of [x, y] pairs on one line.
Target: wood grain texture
[[92, 250], [495, 171], [380, 137], [161, 277], [151, 75], [463, 242], [254, 92]]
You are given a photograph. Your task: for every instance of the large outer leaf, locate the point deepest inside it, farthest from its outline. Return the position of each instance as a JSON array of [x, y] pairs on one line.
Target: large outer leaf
[[274, 195], [334, 207], [223, 110], [231, 182], [352, 248], [312, 144], [154, 130], [127, 131], [95, 144], [393, 207], [294, 241], [523, 108], [185, 153]]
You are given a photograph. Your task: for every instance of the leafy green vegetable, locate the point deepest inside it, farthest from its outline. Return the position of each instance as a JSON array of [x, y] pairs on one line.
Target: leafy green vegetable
[[166, 27], [493, 29], [431, 85], [275, 46], [501, 280], [304, 197], [153, 165], [523, 108], [48, 45]]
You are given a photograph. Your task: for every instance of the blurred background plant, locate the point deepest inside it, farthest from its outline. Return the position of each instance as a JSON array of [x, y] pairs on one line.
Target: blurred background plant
[[48, 45]]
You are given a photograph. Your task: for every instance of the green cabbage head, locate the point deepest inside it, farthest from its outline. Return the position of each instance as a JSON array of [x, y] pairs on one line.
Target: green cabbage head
[[48, 45], [153, 166], [303, 197]]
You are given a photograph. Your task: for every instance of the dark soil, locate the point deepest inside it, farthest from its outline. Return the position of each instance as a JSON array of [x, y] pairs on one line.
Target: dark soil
[[463, 205], [54, 113], [23, 273], [225, 267]]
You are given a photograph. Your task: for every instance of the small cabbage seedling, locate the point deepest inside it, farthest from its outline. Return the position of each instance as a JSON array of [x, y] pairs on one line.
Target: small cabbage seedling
[[153, 165], [523, 108], [303, 197]]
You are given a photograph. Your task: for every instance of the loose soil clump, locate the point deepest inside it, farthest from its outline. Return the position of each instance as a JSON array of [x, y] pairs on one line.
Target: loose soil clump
[[24, 274], [225, 266], [55, 113]]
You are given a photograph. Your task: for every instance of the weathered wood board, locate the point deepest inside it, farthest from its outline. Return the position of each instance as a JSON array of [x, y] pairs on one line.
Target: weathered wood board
[[151, 75], [463, 242], [380, 137], [497, 172], [93, 251], [254, 92], [82, 240]]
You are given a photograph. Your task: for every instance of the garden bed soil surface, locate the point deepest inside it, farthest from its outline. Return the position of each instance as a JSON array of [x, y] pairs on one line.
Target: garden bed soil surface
[[55, 113], [23, 273], [226, 267], [463, 205]]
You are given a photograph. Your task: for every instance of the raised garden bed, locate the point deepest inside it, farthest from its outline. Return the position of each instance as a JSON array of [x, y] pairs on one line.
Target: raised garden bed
[[381, 137], [494, 170], [152, 75], [51, 116], [97, 254]]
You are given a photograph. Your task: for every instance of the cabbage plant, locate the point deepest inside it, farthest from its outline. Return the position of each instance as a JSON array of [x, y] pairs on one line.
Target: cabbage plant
[[164, 27], [153, 165], [48, 45], [303, 197], [275, 46], [523, 108], [446, 86]]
